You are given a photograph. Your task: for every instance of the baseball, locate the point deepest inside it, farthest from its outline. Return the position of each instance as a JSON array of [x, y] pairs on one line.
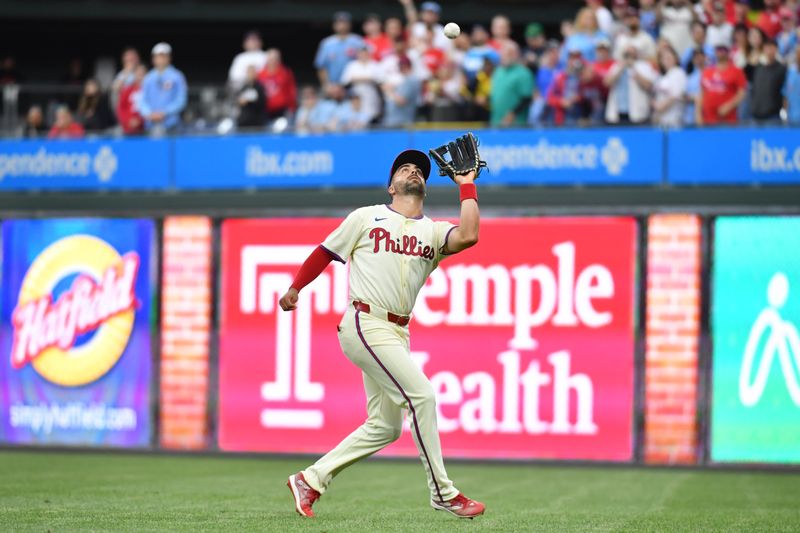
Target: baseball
[[451, 30]]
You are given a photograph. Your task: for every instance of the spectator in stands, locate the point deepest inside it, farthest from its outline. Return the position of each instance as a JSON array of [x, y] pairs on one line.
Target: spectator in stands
[[501, 32], [363, 77], [769, 21], [791, 90], [391, 63], [585, 36], [431, 56], [393, 28], [426, 20], [127, 76], [768, 81], [755, 40], [546, 72], [512, 89], [535, 46], [703, 11], [34, 127], [378, 42], [605, 20], [94, 111], [337, 50], [252, 55], [252, 101], [128, 114], [163, 93], [8, 71], [787, 37], [64, 126], [693, 87], [279, 84], [634, 36], [443, 94], [740, 51], [741, 10], [461, 45], [699, 42], [479, 93], [720, 31], [480, 50], [630, 82], [675, 18], [648, 18], [569, 96], [619, 9], [601, 66], [349, 114], [670, 90], [722, 88], [401, 93], [314, 115]]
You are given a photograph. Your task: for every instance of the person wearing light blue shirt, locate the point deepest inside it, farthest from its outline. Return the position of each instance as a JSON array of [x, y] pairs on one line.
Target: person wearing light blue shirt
[[693, 86], [337, 50], [791, 90], [163, 95]]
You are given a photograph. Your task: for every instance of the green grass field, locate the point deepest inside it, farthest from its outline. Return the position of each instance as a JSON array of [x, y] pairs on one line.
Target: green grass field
[[47, 491]]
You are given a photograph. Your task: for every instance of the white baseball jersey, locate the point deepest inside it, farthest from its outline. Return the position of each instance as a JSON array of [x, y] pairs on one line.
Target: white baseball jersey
[[390, 254]]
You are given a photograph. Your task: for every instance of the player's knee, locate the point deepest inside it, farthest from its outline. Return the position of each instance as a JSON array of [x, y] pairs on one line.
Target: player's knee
[[394, 431]]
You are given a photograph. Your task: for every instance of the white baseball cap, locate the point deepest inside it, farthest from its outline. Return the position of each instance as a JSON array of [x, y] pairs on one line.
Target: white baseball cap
[[162, 48]]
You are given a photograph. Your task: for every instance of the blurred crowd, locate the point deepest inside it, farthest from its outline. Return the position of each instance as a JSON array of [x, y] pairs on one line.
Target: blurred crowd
[[667, 62]]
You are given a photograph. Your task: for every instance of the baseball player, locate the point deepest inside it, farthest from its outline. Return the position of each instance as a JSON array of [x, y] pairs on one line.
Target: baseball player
[[392, 250]]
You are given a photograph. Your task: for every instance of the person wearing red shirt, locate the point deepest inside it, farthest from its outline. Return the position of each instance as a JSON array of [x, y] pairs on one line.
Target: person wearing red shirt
[[722, 88], [128, 115], [279, 86], [64, 127], [501, 32], [379, 43], [432, 57], [769, 21]]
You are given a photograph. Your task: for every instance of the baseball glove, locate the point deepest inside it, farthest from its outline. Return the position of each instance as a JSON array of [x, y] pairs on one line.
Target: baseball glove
[[464, 157]]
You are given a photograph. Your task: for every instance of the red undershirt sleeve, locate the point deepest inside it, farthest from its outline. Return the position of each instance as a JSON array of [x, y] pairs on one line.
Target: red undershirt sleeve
[[312, 267]]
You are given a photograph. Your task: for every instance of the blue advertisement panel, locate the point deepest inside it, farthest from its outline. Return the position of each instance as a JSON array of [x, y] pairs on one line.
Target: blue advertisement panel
[[85, 165], [755, 316], [518, 157], [75, 332], [565, 157], [263, 161], [733, 156]]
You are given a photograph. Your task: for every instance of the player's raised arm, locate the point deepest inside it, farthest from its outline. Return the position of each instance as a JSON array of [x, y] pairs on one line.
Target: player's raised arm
[[466, 234], [463, 168]]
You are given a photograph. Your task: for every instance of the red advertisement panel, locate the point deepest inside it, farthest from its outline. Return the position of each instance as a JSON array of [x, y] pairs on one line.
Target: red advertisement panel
[[527, 339]]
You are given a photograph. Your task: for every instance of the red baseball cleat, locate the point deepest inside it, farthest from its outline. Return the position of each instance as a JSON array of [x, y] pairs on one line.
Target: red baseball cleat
[[304, 496], [460, 506]]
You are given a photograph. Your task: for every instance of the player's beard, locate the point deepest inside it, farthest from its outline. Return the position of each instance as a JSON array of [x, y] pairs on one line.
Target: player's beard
[[413, 188]]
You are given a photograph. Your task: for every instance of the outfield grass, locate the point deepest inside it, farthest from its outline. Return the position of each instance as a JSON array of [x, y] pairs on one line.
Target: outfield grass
[[45, 491]]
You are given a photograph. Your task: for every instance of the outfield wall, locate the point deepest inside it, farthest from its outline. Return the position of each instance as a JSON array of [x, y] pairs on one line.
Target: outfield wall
[[669, 338]]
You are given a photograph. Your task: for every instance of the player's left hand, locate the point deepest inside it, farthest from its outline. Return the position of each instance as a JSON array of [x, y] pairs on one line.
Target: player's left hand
[[288, 301], [464, 158]]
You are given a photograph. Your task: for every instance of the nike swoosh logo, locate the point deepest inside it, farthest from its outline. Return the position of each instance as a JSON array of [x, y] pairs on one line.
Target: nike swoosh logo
[[379, 219]]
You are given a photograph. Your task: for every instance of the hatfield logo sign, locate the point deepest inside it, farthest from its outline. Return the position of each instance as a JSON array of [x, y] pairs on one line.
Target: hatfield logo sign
[[45, 164], [517, 342]]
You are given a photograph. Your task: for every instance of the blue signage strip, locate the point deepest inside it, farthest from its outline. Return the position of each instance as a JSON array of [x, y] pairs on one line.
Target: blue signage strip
[[287, 161], [85, 165], [565, 157], [733, 156]]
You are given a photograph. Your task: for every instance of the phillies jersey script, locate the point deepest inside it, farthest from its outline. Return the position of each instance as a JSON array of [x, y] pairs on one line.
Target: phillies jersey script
[[390, 254]]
